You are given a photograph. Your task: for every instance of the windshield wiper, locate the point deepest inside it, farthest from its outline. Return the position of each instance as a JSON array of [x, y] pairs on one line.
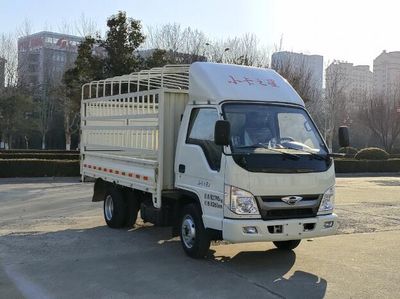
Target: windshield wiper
[[260, 145], [315, 155]]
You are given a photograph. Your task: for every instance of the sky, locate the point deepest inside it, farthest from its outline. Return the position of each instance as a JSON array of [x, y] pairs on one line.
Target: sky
[[349, 30]]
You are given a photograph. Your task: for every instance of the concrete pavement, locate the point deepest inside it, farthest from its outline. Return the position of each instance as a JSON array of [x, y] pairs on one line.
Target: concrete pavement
[[54, 244]]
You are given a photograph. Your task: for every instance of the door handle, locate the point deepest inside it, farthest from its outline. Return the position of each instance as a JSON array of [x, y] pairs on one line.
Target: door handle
[[182, 168]]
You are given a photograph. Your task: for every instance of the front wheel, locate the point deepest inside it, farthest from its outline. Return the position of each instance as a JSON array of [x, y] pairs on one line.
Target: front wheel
[[287, 245], [194, 238]]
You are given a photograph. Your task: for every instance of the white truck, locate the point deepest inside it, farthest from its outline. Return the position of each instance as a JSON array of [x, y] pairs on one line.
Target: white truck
[[218, 152]]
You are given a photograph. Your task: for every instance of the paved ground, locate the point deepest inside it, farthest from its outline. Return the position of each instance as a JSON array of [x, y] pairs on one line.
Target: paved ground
[[54, 244]]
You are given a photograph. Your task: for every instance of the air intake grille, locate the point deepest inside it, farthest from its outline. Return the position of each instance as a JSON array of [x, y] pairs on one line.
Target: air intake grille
[[288, 213], [278, 198]]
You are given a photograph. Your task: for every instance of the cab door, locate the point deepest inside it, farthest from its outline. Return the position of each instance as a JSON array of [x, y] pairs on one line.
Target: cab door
[[199, 162]]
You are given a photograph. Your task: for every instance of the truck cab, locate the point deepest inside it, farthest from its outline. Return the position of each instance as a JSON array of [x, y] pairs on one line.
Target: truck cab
[[273, 179], [248, 163]]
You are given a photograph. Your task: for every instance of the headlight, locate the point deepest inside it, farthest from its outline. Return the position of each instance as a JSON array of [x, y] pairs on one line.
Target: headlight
[[240, 201], [327, 202]]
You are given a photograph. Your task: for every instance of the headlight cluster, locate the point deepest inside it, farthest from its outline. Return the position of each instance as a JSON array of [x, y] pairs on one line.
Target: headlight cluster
[[327, 202], [240, 201]]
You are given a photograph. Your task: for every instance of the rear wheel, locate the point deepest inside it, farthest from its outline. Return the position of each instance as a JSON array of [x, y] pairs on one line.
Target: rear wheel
[[114, 208], [287, 245], [194, 238]]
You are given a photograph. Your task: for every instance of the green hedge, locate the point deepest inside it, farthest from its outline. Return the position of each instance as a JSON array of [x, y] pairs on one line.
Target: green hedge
[[372, 153], [26, 151], [50, 168], [395, 150], [41, 155], [349, 151], [38, 168], [354, 166]]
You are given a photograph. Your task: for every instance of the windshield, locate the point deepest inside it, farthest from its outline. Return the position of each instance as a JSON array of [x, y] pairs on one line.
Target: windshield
[[266, 126]]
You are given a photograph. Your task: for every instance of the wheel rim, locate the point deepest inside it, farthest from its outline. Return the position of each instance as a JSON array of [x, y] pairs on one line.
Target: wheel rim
[[108, 207], [188, 231]]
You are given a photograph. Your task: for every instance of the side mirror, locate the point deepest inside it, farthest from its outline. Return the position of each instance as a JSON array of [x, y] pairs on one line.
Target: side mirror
[[222, 132], [344, 139]]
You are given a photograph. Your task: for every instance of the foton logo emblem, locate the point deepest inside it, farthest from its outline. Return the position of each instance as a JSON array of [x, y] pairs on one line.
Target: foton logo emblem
[[291, 200]]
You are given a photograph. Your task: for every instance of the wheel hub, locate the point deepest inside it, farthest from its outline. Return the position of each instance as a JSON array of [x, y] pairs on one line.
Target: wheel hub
[[108, 207], [188, 231]]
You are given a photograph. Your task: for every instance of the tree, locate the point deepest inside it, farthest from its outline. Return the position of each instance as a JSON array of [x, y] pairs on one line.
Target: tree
[[8, 51], [334, 103], [87, 67], [98, 59], [242, 50], [187, 45], [69, 108], [45, 108], [86, 27], [300, 76], [382, 117], [15, 108], [15, 102], [47, 94], [113, 56], [158, 58], [123, 37], [180, 45]]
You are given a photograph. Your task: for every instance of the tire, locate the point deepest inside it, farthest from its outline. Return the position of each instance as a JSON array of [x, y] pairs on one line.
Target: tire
[[133, 207], [287, 245], [194, 238], [114, 208]]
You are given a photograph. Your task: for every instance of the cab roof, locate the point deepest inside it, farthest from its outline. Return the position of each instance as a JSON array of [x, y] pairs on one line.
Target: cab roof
[[216, 82]]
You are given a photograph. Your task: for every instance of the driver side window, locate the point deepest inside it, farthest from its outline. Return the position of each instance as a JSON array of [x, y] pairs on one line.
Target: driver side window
[[201, 133]]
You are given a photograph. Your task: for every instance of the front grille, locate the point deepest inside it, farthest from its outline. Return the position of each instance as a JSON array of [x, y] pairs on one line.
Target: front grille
[[288, 213], [278, 198], [273, 208]]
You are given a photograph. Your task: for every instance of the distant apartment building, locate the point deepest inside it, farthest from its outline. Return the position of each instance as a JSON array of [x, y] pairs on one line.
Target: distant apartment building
[[44, 56], [301, 62], [2, 72], [387, 73], [355, 81]]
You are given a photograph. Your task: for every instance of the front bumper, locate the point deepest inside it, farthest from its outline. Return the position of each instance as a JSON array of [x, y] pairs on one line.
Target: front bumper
[[278, 230]]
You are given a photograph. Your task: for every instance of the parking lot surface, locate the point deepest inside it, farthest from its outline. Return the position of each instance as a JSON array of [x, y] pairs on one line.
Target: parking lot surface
[[54, 244]]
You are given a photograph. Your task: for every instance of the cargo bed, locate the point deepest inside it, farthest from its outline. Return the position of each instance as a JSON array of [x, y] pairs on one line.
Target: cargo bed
[[129, 137]]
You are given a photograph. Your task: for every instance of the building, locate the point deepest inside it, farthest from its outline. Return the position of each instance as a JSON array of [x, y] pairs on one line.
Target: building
[[44, 56], [355, 81], [2, 72], [387, 73], [301, 62]]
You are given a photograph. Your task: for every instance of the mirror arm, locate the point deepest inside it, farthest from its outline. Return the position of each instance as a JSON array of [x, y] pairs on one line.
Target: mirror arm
[[232, 154], [223, 151]]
